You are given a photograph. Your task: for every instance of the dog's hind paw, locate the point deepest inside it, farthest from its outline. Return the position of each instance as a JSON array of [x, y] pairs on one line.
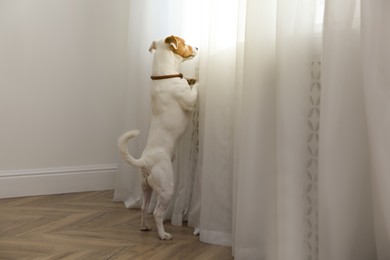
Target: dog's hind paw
[[146, 228], [165, 236]]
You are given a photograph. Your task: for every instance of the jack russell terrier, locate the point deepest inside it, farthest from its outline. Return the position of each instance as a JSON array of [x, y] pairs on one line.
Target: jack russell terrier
[[172, 101]]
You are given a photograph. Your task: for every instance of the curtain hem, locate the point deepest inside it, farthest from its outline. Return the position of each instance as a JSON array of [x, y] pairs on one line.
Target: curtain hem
[[215, 237]]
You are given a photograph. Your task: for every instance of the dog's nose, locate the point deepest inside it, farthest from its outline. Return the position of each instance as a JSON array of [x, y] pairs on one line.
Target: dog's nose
[[196, 48]]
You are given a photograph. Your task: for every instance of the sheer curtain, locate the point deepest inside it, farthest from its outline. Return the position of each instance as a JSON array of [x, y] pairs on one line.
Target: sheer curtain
[[286, 154], [376, 84], [354, 172], [346, 219]]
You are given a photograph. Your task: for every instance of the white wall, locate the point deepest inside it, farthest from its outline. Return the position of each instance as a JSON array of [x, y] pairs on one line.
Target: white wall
[[62, 85]]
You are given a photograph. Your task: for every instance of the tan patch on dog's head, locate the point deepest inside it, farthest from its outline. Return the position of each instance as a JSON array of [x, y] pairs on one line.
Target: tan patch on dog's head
[[179, 46]]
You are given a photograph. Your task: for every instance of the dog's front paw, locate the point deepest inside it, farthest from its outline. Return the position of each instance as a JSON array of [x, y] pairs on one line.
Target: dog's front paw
[[191, 81], [165, 236], [196, 231]]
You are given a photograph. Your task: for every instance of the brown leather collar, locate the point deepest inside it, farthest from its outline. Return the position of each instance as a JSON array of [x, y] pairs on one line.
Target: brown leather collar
[[167, 76]]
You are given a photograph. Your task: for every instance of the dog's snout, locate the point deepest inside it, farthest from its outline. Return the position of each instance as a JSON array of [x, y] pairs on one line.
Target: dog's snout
[[196, 48]]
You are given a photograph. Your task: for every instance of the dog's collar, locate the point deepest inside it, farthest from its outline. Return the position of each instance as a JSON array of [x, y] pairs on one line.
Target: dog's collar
[[167, 76]]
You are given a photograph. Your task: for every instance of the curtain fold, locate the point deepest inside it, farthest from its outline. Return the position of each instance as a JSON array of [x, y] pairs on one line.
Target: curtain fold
[[376, 81], [217, 77], [295, 31], [255, 151], [344, 185], [286, 155], [350, 161]]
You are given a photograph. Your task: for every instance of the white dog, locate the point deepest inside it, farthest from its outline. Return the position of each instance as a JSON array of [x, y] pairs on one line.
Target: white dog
[[172, 102]]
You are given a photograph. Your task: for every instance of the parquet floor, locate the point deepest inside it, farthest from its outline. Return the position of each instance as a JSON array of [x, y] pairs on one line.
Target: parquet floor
[[89, 226]]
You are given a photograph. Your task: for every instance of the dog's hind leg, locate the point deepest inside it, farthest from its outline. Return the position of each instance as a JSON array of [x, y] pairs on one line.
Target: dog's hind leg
[[159, 213], [162, 181], [147, 195]]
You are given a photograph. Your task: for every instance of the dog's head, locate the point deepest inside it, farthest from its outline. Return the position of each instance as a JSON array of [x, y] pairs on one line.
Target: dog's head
[[178, 46]]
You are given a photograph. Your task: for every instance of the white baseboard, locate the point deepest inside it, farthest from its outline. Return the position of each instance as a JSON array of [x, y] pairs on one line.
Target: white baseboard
[[20, 183]]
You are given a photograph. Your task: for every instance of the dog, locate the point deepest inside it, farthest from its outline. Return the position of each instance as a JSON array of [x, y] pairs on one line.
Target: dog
[[173, 100]]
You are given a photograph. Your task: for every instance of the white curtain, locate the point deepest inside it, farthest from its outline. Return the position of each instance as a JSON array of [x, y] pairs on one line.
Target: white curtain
[[376, 82], [346, 219], [354, 143], [287, 153]]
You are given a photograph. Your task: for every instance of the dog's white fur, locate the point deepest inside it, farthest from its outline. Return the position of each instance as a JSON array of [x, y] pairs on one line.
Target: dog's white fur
[[172, 102]]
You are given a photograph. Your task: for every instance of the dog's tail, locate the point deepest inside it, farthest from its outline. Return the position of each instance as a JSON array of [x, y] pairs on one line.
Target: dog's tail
[[122, 145]]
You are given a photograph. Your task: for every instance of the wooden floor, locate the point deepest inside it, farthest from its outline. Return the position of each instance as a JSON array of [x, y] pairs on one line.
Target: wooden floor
[[90, 226]]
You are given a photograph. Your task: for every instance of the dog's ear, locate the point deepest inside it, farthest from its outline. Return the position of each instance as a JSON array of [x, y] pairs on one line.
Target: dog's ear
[[153, 46], [172, 41]]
